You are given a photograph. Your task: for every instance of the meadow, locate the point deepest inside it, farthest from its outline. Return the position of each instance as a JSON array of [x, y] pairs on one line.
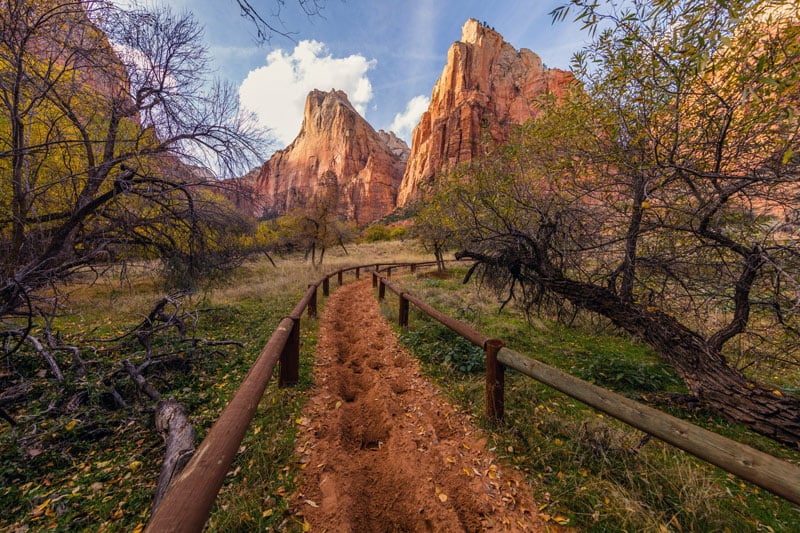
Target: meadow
[[89, 465]]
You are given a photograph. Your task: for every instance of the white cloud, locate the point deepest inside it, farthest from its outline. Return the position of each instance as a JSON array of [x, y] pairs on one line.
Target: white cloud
[[405, 122], [277, 92]]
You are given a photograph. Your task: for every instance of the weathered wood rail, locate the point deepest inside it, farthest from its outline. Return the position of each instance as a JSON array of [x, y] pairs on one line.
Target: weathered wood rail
[[771, 473], [187, 505]]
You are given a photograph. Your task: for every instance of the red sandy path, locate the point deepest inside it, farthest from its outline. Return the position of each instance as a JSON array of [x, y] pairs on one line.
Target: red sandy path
[[383, 451]]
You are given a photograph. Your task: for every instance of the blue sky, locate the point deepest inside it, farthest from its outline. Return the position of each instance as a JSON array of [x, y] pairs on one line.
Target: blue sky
[[386, 55]]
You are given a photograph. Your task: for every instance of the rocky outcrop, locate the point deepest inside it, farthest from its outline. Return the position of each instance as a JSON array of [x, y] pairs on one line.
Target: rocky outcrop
[[336, 148], [486, 87]]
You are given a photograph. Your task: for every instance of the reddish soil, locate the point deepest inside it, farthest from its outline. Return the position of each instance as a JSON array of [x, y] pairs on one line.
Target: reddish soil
[[383, 451]]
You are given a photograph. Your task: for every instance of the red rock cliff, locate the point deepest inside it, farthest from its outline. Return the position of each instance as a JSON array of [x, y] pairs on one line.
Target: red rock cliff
[[486, 87], [335, 143]]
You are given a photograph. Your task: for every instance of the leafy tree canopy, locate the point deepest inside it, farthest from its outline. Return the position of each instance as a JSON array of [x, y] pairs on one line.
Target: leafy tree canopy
[[662, 193]]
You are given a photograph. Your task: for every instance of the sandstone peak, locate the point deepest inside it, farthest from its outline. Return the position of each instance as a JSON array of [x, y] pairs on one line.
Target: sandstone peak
[[335, 147], [397, 145], [474, 32], [486, 87], [317, 98]]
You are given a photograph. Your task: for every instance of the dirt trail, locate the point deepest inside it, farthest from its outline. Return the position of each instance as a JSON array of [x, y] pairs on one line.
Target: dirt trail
[[383, 451]]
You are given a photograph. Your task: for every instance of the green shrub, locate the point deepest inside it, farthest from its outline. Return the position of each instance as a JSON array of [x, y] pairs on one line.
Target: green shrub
[[623, 375], [398, 232], [379, 232], [446, 348], [376, 233]]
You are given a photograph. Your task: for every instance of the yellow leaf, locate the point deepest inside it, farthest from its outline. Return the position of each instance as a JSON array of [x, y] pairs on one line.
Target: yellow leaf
[[42, 507], [117, 514], [306, 526], [560, 519], [256, 430], [139, 527], [71, 425], [135, 465], [450, 460], [776, 392], [267, 513], [442, 497]]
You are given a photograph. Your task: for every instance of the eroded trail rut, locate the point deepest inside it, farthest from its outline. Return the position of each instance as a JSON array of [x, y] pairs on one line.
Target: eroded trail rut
[[383, 450]]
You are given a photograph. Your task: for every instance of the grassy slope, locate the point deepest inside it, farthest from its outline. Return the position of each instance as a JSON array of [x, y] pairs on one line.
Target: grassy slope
[[584, 467]]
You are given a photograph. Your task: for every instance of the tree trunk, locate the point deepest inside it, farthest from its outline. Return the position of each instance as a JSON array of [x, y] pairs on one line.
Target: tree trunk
[[698, 361], [439, 256], [703, 368]]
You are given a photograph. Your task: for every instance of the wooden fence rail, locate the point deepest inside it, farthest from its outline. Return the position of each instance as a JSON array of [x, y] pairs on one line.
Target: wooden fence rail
[[775, 475], [187, 505]]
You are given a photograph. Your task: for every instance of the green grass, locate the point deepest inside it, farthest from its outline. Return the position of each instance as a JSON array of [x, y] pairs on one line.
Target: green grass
[[95, 468], [584, 465]]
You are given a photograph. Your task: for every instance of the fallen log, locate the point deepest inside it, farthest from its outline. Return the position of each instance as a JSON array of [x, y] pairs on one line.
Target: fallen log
[[174, 427]]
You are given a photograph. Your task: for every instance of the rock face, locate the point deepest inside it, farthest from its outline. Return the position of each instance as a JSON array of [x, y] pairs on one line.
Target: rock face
[[486, 87], [337, 148]]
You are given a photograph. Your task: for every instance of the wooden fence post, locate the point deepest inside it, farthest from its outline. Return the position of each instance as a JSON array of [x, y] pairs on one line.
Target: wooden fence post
[[389, 272], [289, 372], [381, 289], [339, 278], [402, 315], [413, 268], [374, 280], [358, 273], [312, 303], [326, 287], [495, 381]]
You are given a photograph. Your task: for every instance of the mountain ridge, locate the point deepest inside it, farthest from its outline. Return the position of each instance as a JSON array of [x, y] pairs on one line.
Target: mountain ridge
[[485, 88], [337, 147]]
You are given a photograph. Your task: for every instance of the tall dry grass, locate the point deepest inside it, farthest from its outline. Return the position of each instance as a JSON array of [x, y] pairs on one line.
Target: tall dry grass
[[127, 290]]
